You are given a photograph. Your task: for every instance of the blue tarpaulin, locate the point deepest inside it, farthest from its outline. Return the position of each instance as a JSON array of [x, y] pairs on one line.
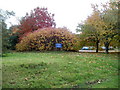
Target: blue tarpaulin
[[58, 45]]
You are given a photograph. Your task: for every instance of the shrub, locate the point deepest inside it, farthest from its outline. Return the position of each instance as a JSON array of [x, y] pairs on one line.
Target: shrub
[[45, 39]]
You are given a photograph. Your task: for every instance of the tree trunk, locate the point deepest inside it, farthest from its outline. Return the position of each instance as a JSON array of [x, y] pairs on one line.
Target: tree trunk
[[106, 47], [97, 46]]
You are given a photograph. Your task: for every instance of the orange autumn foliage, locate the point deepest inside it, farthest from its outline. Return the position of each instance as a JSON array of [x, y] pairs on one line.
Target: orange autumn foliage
[[45, 39]]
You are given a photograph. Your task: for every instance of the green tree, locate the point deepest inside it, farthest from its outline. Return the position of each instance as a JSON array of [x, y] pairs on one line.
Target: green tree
[[3, 29], [13, 37]]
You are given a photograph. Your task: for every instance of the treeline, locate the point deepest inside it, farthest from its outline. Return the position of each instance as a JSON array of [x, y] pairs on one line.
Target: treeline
[[37, 30]]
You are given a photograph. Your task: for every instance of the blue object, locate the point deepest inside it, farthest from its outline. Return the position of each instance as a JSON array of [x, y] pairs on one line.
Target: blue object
[[85, 48], [58, 45]]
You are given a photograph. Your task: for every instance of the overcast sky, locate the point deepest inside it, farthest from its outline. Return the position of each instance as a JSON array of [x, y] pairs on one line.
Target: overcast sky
[[67, 12]]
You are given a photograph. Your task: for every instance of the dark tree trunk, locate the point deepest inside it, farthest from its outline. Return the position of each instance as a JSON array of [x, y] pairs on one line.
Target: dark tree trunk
[[106, 47], [97, 46]]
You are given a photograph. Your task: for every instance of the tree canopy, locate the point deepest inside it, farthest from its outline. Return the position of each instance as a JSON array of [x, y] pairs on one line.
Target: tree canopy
[[102, 24], [37, 19]]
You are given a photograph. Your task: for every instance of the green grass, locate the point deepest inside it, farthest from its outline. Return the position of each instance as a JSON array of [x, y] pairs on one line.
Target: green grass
[[60, 70]]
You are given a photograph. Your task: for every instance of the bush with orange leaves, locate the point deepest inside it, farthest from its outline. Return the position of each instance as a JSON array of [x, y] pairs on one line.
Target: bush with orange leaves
[[45, 40]]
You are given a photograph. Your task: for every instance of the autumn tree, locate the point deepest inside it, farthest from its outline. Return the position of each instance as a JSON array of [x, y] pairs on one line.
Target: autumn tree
[[109, 22], [37, 19], [104, 22], [91, 29], [110, 18]]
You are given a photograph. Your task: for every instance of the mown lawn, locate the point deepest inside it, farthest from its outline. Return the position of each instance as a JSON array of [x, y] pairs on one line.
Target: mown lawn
[[60, 70]]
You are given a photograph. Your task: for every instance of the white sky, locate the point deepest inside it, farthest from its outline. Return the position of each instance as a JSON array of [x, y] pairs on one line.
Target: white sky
[[67, 12]]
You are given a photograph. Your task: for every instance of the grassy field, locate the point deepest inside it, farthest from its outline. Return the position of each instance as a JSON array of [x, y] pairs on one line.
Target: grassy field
[[60, 70]]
